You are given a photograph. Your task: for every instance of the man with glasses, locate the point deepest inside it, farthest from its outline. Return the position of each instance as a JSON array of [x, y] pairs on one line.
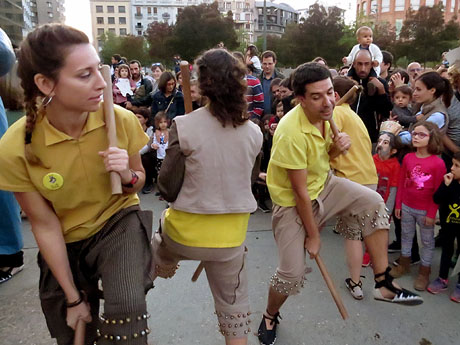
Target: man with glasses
[[414, 69]]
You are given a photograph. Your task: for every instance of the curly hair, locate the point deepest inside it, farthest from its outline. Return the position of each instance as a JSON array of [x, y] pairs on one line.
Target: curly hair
[[43, 51], [221, 79]]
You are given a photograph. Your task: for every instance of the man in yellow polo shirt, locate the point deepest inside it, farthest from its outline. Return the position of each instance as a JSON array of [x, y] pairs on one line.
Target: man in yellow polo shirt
[[305, 194]]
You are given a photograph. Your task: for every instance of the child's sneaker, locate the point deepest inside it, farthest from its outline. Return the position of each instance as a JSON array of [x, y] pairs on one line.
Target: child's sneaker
[[366, 259], [456, 294], [438, 285]]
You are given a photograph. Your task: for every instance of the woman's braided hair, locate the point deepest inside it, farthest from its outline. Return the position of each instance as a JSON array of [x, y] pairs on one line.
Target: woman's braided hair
[[43, 51]]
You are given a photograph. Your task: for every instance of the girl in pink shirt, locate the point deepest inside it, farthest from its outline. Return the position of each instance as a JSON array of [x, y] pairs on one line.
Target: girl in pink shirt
[[421, 174]]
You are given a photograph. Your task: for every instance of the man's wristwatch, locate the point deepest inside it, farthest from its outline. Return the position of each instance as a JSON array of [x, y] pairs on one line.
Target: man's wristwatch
[[133, 181]]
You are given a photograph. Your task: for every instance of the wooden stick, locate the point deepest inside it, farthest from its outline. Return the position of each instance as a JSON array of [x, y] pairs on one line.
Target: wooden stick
[[79, 337], [109, 116], [198, 271], [185, 73], [332, 289], [349, 94]]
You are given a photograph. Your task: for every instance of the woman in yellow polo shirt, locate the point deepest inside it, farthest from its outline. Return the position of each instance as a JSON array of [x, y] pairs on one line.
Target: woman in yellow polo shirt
[[56, 161], [214, 149]]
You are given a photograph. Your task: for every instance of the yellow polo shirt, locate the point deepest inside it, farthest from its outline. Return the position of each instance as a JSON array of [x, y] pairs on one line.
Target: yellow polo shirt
[[357, 165], [74, 181], [297, 145]]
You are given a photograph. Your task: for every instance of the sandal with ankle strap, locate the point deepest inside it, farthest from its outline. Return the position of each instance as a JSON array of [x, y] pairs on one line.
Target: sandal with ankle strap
[[402, 296], [268, 336]]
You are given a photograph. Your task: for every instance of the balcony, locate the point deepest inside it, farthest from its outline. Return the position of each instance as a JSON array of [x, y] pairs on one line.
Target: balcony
[[138, 15], [138, 26]]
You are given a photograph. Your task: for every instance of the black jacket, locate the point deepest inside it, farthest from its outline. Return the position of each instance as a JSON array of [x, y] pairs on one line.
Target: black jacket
[[160, 103], [372, 109], [144, 97]]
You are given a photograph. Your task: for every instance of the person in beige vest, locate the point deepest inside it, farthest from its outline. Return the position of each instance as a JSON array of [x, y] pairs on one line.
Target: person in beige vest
[[206, 177]]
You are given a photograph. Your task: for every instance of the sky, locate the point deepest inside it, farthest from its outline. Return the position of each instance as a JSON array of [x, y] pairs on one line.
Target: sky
[[78, 11]]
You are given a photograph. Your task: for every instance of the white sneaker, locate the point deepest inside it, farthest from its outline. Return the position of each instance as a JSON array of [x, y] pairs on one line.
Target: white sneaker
[[356, 289]]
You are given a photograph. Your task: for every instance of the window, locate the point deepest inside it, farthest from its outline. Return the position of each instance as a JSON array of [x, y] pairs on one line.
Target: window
[[385, 5], [398, 26], [452, 5], [138, 11], [49, 4], [155, 10], [99, 9], [112, 30], [100, 32], [100, 20], [248, 26], [139, 32], [228, 5], [399, 5], [429, 2], [121, 9], [111, 20], [122, 20], [123, 32], [50, 14], [374, 6], [149, 10], [415, 4], [248, 16], [364, 7], [111, 9]]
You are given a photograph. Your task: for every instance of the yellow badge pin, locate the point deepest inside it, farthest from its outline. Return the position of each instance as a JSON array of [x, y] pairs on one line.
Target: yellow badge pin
[[53, 181]]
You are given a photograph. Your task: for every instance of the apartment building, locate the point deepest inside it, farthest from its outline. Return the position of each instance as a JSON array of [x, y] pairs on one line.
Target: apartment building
[[50, 11], [243, 16], [145, 12], [278, 17], [394, 11], [110, 16]]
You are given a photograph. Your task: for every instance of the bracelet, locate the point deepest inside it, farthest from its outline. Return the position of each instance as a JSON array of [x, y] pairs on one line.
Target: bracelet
[[77, 302], [133, 181]]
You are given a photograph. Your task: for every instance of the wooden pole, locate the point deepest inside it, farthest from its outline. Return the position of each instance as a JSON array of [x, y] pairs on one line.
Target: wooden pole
[[109, 116], [185, 73], [198, 271], [331, 286], [79, 338], [346, 97]]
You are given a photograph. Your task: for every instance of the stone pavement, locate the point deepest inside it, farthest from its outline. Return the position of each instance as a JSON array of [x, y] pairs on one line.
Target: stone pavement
[[183, 313]]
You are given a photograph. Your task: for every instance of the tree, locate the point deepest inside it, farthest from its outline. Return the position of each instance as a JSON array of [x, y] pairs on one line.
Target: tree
[[131, 47], [159, 37], [202, 27], [317, 35], [424, 35]]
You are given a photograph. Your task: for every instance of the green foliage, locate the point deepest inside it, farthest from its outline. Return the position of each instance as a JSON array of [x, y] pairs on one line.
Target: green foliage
[[202, 27], [424, 35], [159, 37], [131, 47]]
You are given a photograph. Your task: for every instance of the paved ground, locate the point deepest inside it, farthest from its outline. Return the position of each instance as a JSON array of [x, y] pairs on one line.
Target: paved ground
[[182, 312]]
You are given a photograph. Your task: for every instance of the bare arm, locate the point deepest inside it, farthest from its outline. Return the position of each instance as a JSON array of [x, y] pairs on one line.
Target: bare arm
[[449, 144], [47, 231], [298, 179]]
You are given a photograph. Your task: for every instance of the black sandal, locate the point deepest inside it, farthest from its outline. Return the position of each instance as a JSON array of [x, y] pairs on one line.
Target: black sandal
[[402, 296], [268, 336]]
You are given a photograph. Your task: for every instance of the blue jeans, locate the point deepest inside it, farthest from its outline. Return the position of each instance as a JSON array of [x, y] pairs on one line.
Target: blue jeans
[[409, 218]]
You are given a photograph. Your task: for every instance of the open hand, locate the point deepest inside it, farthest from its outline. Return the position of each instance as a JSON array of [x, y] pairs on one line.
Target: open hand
[[398, 213]]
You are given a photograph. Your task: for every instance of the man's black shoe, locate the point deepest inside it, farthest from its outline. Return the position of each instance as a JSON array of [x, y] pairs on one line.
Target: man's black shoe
[[264, 208], [147, 189], [268, 337], [394, 247]]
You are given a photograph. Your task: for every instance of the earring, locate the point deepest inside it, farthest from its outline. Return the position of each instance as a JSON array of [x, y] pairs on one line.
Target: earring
[[46, 101]]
